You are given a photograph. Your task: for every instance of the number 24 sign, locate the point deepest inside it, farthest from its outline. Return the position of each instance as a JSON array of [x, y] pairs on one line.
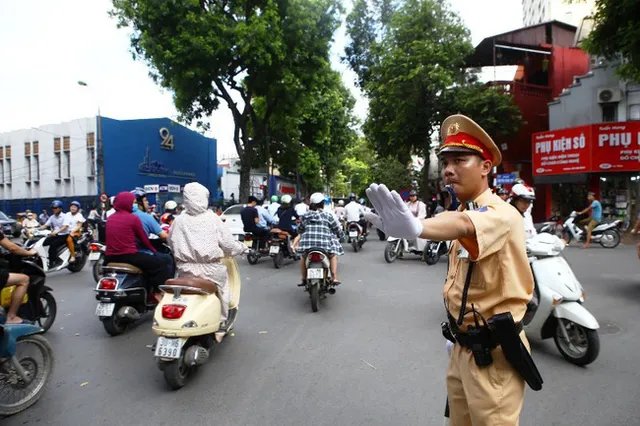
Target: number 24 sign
[[167, 139]]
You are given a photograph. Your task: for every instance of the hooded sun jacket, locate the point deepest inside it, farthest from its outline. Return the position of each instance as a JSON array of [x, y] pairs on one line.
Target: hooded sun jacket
[[124, 228], [199, 239]]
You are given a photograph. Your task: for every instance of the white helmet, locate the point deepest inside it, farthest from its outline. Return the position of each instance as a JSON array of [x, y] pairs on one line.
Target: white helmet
[[286, 199], [341, 202], [170, 205], [521, 190], [316, 198]]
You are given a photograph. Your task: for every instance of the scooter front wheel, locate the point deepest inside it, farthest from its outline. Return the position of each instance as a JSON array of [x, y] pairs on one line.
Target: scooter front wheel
[[566, 235], [390, 254], [583, 346]]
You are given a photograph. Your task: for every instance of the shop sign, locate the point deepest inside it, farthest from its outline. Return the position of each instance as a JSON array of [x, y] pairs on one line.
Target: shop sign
[[505, 179], [174, 188], [152, 189], [562, 151], [616, 147]]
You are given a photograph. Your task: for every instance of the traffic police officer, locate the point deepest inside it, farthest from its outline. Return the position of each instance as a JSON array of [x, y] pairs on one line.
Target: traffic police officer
[[488, 276]]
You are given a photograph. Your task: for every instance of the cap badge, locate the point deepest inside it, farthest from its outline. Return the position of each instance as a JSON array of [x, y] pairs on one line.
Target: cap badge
[[454, 129]]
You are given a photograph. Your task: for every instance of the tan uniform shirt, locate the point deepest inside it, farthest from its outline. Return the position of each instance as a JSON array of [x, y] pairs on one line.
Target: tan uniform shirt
[[501, 280]]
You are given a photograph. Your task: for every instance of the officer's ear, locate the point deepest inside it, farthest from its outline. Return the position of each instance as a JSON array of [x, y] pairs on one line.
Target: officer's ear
[[485, 165]]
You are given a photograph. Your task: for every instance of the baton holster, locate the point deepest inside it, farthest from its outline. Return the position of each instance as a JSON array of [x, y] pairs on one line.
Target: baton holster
[[506, 334]]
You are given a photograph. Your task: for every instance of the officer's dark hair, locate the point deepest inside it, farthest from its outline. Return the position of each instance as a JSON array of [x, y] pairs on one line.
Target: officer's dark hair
[[252, 199]]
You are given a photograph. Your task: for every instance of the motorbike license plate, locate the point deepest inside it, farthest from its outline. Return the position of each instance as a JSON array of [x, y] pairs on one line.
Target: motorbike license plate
[[168, 348], [315, 274], [353, 234], [94, 256], [105, 309], [274, 250]]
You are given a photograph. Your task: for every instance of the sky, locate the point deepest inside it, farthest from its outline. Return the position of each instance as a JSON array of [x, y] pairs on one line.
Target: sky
[[46, 47]]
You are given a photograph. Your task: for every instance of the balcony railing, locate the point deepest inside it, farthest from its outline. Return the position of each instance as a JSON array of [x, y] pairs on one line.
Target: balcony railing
[[517, 89]]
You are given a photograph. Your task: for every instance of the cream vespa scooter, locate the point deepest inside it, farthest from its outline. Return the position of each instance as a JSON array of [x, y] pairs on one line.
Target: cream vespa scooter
[[187, 321]]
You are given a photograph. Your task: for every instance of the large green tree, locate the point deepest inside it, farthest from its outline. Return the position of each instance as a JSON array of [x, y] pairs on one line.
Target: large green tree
[[410, 61], [616, 34], [232, 51]]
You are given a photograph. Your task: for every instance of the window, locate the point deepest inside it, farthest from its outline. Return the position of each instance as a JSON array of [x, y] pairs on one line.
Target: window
[[609, 112], [27, 159], [91, 154], [7, 165], [35, 156], [634, 112], [67, 165]]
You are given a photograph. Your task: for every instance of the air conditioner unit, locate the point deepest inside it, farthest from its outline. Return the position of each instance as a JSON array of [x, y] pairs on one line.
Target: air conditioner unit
[[609, 95]]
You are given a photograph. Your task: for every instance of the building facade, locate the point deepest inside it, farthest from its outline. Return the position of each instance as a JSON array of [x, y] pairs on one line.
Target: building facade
[[546, 61], [83, 158], [538, 11], [593, 145]]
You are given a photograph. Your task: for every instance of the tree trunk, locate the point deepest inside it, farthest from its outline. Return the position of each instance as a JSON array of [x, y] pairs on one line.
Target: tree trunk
[[245, 167], [426, 184]]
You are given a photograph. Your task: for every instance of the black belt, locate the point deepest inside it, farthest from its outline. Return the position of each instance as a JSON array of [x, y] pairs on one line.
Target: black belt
[[464, 340]]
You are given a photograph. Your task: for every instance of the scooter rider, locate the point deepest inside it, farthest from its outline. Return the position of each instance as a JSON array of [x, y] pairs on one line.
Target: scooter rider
[[355, 212], [123, 235], [170, 208], [151, 226], [522, 196], [417, 207], [503, 193], [74, 221], [489, 280], [21, 281], [273, 206], [199, 240], [340, 211], [319, 229], [59, 232]]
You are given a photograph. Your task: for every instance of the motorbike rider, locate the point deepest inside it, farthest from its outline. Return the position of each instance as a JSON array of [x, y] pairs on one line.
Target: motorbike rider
[[274, 206], [107, 213], [319, 229], [124, 233], [21, 281], [250, 220], [489, 275], [29, 225], [74, 221], [340, 211], [355, 213], [167, 221], [151, 227], [503, 193], [417, 207], [522, 196], [302, 207], [59, 232], [288, 218], [199, 240], [594, 218]]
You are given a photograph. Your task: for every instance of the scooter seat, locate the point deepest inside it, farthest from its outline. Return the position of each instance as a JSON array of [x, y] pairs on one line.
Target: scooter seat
[[122, 267], [200, 283]]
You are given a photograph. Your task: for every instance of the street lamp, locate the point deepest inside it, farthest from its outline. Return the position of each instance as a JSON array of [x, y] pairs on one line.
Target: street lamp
[[99, 157]]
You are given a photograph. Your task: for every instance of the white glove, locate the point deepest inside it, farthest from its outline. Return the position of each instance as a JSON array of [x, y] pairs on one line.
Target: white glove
[[393, 215]]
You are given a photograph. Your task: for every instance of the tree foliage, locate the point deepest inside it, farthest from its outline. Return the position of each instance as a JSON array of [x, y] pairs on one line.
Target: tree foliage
[[616, 33], [232, 51], [410, 61]]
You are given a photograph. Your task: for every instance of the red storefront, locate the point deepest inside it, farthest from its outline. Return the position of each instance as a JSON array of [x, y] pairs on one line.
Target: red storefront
[[603, 158]]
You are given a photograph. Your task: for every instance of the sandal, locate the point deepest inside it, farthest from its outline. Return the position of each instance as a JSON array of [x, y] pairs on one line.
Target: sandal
[[336, 282]]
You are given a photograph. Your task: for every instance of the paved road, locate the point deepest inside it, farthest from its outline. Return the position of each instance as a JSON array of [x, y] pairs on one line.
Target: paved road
[[373, 355]]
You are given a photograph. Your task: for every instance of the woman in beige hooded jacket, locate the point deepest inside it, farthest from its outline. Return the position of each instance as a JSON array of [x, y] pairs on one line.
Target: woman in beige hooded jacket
[[199, 240]]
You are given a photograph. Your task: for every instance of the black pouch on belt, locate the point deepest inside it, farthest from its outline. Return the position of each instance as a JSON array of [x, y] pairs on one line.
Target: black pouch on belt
[[506, 334]]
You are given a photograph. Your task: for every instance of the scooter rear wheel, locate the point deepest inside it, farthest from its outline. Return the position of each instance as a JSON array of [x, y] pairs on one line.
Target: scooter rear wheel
[[314, 293], [175, 374], [278, 260], [112, 325], [252, 258], [610, 239]]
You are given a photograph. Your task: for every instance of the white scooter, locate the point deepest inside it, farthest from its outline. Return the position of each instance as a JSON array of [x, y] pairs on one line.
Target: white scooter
[[607, 234], [397, 247], [558, 311], [36, 242]]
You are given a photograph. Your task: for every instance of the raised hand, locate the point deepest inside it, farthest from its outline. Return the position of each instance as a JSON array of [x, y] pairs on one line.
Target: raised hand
[[392, 213]]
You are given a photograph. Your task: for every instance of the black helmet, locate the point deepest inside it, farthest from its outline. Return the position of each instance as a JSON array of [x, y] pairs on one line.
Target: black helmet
[[352, 196]]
